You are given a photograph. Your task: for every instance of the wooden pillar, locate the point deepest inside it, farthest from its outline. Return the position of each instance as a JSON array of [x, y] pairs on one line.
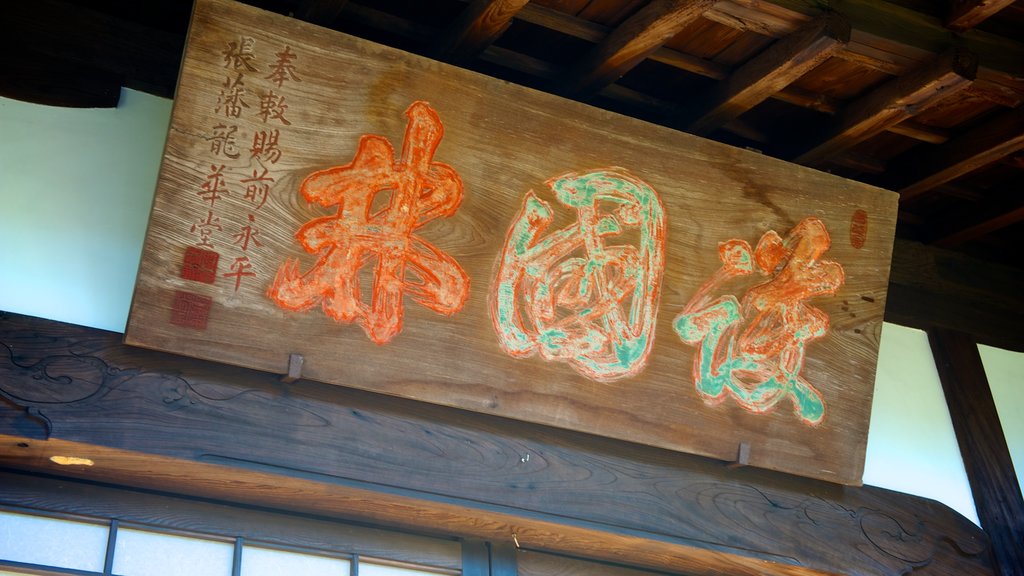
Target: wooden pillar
[[997, 494]]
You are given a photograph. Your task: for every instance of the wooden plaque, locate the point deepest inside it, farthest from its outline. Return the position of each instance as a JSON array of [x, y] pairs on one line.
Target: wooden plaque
[[341, 211]]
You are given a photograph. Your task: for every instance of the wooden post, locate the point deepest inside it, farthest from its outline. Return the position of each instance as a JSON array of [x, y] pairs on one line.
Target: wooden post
[[997, 494]]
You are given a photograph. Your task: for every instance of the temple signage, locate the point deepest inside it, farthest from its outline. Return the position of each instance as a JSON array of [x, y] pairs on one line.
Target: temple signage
[[414, 229]]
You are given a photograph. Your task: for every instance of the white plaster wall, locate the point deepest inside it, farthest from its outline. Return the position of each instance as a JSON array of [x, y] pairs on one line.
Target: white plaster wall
[[911, 444], [1005, 372], [75, 192]]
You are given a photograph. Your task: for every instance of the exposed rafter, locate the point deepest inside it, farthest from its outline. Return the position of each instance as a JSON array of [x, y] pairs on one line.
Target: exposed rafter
[[922, 169], [894, 102], [772, 70], [981, 229], [966, 14], [594, 32], [632, 42], [476, 28]]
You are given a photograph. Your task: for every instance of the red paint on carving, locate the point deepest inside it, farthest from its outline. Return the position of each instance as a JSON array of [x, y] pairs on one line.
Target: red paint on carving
[[354, 236], [754, 349], [190, 310], [200, 265], [859, 229]]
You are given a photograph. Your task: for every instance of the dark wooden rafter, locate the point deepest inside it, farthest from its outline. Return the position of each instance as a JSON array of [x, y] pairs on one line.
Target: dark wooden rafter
[[966, 14], [980, 229], [321, 12], [924, 168], [879, 29], [364, 457], [893, 102], [766, 74], [997, 494], [594, 32], [633, 41], [479, 24]]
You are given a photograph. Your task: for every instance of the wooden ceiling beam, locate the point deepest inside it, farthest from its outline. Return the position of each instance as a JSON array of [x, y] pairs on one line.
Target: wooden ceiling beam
[[320, 12], [594, 32], [633, 41], [767, 73], [886, 36], [894, 102], [981, 229], [476, 28], [966, 14], [923, 168]]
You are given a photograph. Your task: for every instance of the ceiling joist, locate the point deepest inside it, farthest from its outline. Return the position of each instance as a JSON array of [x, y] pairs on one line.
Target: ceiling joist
[[966, 14], [768, 73], [926, 168], [632, 42], [895, 101], [981, 229], [479, 25]]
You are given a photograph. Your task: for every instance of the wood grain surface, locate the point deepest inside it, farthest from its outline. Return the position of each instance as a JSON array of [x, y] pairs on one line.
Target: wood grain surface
[[164, 422], [503, 141]]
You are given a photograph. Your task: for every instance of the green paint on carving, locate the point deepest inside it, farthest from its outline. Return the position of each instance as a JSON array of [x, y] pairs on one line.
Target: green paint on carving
[[616, 343]]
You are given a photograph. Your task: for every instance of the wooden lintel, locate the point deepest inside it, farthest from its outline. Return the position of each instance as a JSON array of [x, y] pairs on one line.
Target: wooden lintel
[[966, 14], [321, 12], [772, 70], [630, 43], [142, 57], [997, 494], [56, 81], [930, 287], [164, 422], [921, 169], [479, 24], [893, 102]]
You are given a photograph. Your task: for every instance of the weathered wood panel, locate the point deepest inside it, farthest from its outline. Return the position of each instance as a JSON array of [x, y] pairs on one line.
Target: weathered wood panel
[[164, 422], [270, 107]]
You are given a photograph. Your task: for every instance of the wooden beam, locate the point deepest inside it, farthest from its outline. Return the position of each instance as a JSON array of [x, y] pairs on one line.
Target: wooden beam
[[981, 229], [631, 43], [966, 14], [895, 101], [772, 70], [923, 168], [931, 287], [479, 24], [164, 422], [320, 12], [921, 132], [997, 494], [886, 36], [594, 32], [54, 81], [143, 58]]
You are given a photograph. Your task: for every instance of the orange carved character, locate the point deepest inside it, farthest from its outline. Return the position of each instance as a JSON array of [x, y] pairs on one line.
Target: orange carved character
[[754, 350], [355, 236]]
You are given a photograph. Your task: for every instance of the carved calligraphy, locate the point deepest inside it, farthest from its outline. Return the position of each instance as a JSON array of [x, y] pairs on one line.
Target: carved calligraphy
[[570, 295], [421, 190], [754, 350], [292, 218]]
